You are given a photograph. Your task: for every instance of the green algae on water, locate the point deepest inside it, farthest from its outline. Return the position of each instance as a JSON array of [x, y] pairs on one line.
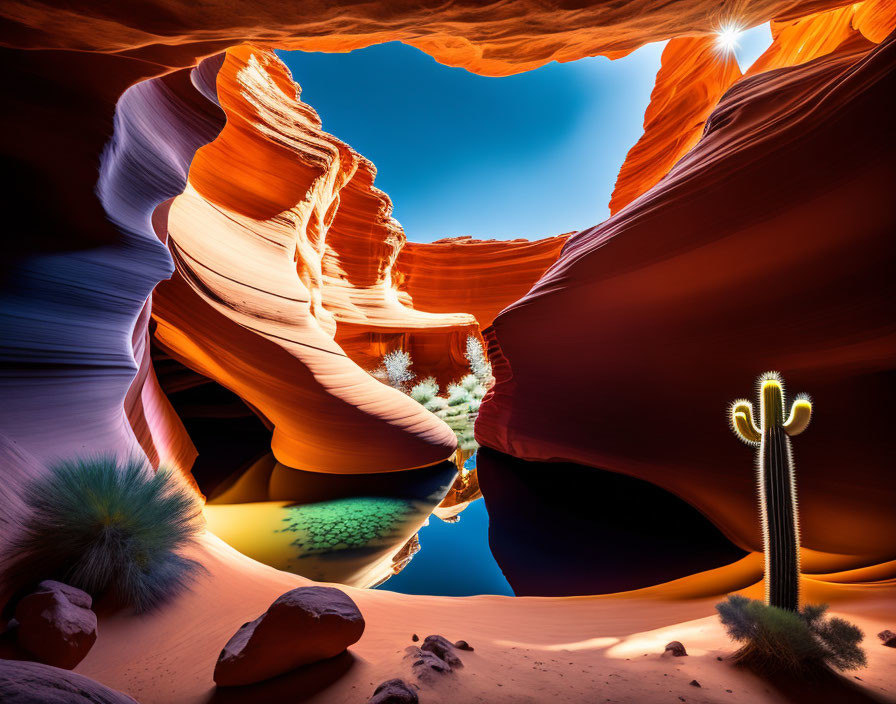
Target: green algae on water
[[345, 524]]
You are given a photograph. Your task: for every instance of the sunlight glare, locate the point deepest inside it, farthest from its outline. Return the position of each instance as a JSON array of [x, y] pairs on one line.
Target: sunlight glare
[[727, 38]]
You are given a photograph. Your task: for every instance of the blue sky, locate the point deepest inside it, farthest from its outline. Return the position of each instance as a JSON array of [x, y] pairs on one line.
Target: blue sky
[[530, 155]]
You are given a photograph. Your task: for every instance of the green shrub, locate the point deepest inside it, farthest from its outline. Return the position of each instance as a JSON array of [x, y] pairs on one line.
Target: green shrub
[[108, 528], [460, 408], [776, 639]]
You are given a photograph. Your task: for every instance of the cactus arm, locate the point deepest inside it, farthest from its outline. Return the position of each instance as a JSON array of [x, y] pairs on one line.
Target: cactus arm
[[800, 415], [742, 422]]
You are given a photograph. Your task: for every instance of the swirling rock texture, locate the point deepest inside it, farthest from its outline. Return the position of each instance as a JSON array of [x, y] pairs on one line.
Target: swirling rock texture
[[693, 75], [695, 72], [250, 305], [480, 277], [74, 309], [767, 246]]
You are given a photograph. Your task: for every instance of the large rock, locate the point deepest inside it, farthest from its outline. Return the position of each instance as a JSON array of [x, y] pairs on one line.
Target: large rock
[[35, 683], [302, 626], [56, 624]]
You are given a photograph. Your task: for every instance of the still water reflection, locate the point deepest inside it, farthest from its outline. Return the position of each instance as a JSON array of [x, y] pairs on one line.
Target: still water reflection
[[361, 530]]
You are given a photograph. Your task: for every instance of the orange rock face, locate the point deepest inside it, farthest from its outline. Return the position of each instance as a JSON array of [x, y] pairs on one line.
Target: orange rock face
[[292, 279], [251, 306], [491, 38], [291, 273], [693, 75], [768, 246], [476, 276]]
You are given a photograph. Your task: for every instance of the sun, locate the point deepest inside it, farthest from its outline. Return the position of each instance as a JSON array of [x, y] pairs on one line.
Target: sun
[[727, 38]]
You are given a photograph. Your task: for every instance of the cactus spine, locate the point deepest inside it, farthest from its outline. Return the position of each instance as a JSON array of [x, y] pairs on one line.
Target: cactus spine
[[776, 481]]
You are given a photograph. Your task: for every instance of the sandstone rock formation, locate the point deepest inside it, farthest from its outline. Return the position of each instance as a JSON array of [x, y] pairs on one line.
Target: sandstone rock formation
[[692, 78], [56, 624], [75, 313], [767, 246], [34, 683], [302, 626]]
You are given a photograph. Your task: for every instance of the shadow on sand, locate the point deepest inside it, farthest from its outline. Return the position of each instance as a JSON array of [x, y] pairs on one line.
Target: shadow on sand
[[824, 686], [296, 686]]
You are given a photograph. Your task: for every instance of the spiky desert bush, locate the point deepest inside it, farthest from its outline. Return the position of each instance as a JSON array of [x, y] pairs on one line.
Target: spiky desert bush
[[461, 405], [479, 363], [425, 391], [396, 370], [776, 639], [108, 528]]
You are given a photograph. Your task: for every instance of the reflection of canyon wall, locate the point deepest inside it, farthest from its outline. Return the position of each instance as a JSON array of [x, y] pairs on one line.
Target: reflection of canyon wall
[[768, 246]]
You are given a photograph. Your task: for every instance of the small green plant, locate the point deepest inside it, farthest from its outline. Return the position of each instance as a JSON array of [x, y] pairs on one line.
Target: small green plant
[[776, 479], [109, 528], [777, 639], [460, 407]]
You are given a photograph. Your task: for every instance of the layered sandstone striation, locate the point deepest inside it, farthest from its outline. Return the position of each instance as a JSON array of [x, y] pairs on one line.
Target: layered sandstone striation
[[292, 278], [250, 305], [692, 78], [767, 246]]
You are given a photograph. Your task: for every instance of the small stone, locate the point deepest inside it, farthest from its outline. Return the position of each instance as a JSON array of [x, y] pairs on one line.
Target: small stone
[[56, 624], [676, 648], [394, 691], [463, 645], [425, 664], [415, 637], [442, 647], [694, 683], [888, 638]]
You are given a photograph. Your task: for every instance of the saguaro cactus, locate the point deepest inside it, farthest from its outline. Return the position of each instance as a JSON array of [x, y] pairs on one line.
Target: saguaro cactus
[[776, 481]]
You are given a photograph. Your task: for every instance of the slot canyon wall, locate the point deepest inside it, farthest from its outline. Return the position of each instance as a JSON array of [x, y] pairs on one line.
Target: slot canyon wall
[[767, 246], [284, 276]]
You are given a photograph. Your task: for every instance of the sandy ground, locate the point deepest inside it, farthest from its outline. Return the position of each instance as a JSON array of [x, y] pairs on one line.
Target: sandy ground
[[527, 650]]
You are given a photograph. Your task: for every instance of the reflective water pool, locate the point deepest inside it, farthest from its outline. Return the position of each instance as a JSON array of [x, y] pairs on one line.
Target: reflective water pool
[[419, 532]]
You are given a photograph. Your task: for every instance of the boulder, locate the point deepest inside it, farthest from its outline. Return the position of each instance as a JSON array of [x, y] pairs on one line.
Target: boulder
[[302, 626], [676, 648], [36, 683], [56, 624], [442, 647], [394, 691], [463, 645], [888, 638]]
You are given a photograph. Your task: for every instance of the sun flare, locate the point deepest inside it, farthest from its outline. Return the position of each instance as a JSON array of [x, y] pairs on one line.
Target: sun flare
[[727, 38]]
